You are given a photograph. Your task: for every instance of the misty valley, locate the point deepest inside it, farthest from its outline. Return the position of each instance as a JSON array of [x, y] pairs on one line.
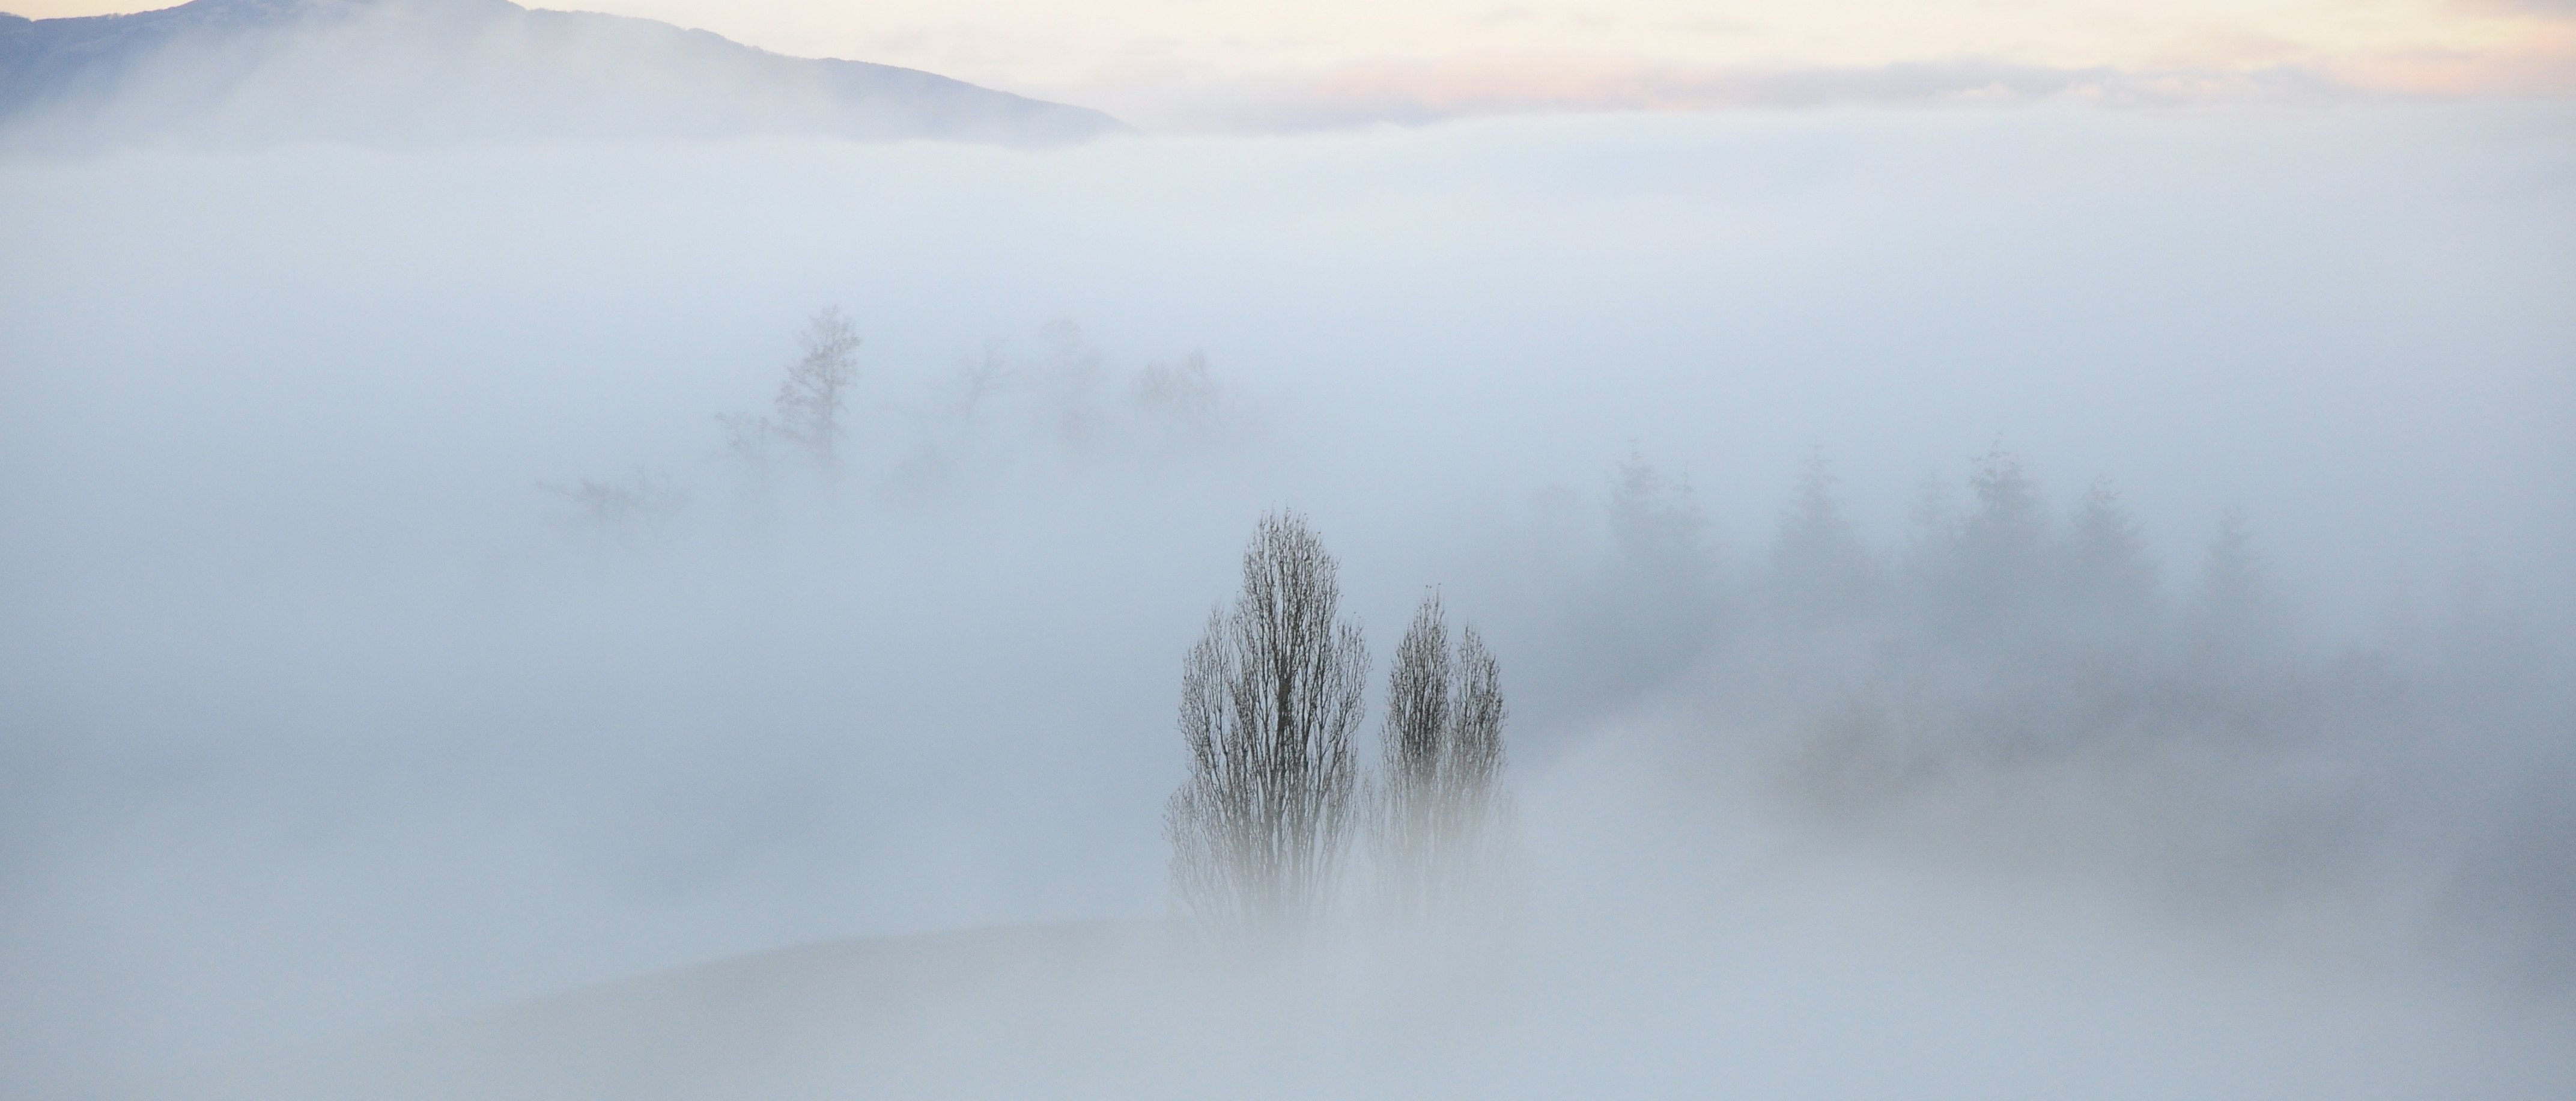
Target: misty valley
[[2040, 601]]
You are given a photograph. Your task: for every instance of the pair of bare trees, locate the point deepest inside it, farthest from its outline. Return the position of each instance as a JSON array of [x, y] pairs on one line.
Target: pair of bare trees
[[1270, 699], [1440, 836]]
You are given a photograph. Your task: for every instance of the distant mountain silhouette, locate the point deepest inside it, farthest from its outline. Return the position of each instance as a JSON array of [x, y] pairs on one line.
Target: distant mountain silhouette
[[399, 72]]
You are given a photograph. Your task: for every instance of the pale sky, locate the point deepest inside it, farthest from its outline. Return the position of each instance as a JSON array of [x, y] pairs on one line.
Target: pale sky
[[1255, 65]]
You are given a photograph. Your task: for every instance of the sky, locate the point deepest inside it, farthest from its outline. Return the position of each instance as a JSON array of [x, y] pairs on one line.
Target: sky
[[1238, 65]]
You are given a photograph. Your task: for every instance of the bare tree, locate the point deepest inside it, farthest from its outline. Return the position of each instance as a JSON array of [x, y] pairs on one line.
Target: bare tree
[[980, 379], [1181, 393], [633, 513], [810, 401], [1269, 697], [1440, 832]]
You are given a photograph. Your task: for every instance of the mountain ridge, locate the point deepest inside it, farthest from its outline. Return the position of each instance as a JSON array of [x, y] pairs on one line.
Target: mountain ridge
[[228, 72]]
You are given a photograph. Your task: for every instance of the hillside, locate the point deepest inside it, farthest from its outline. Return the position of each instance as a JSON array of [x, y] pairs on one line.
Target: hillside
[[919, 1013], [230, 73]]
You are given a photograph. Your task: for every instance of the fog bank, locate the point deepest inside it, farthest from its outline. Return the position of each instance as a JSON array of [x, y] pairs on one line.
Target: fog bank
[[390, 633]]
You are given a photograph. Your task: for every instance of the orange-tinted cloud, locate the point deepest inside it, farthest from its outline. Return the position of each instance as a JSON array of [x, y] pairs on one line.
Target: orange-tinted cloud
[[1253, 65]]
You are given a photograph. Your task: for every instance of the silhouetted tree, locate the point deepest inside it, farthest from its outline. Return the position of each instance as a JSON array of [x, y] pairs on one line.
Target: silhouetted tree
[[1180, 395], [1440, 825], [1981, 573], [1070, 379], [2232, 612], [1269, 697], [810, 402], [1659, 606], [980, 379], [2001, 538], [1817, 563], [1932, 529], [2108, 583], [631, 513], [1657, 525]]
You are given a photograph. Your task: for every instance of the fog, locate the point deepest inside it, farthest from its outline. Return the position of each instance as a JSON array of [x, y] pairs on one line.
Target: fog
[[391, 635]]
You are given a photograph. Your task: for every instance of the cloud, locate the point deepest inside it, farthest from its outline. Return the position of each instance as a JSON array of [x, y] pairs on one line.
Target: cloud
[[1239, 72], [2544, 9], [2542, 67], [1412, 94]]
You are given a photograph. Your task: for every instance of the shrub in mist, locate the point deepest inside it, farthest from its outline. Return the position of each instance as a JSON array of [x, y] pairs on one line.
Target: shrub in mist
[[630, 514]]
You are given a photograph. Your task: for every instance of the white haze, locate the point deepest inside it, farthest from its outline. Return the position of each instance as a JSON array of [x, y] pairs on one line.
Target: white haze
[[319, 716]]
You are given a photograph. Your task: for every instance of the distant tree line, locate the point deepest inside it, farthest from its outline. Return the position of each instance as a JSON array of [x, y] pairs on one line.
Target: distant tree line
[[2035, 603], [2001, 637], [980, 413]]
